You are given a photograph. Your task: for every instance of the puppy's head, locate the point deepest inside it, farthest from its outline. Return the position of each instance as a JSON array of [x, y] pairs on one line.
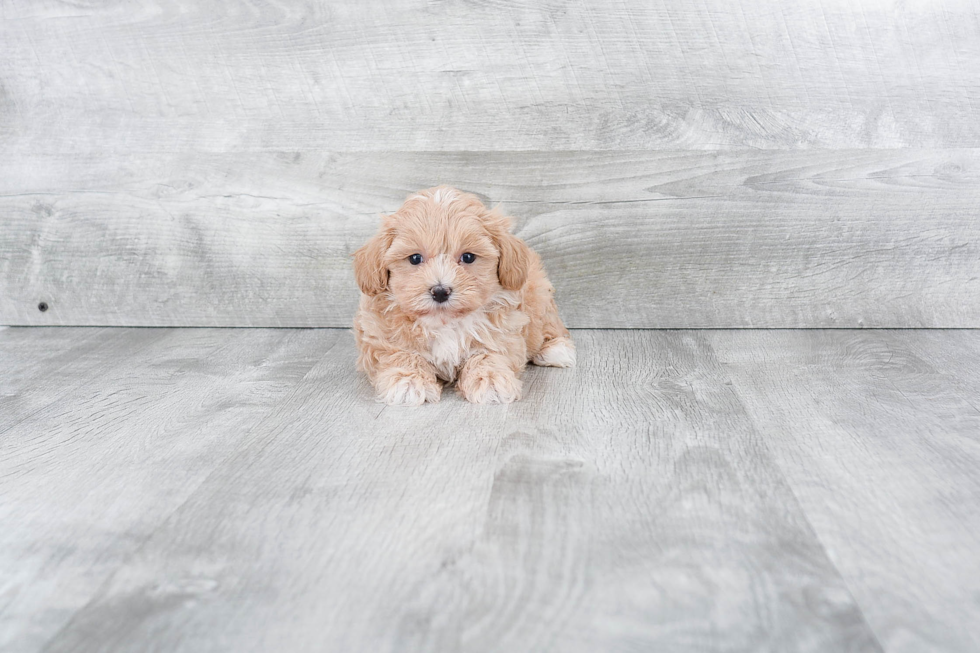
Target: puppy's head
[[443, 252]]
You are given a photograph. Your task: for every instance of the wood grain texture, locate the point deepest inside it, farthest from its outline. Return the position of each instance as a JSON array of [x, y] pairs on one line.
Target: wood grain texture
[[631, 239], [880, 445], [628, 504], [175, 75], [951, 354], [38, 367], [87, 478], [27, 356]]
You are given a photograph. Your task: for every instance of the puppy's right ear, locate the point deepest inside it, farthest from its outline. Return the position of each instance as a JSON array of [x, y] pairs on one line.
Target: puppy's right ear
[[369, 267]]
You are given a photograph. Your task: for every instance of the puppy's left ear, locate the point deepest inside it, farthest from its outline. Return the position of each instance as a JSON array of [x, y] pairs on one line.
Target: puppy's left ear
[[515, 255], [369, 267]]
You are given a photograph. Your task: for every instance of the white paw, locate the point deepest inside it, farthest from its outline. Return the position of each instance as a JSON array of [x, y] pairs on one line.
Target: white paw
[[493, 388], [557, 353], [410, 391]]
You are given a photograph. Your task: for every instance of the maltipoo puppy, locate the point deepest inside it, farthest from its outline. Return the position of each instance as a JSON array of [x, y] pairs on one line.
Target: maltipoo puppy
[[450, 295]]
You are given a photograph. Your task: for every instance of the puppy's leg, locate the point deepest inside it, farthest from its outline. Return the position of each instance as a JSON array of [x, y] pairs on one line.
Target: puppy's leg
[[489, 379], [559, 352], [557, 349], [406, 379]]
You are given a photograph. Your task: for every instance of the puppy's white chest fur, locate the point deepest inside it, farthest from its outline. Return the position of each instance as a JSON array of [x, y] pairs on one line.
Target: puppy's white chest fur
[[451, 343]]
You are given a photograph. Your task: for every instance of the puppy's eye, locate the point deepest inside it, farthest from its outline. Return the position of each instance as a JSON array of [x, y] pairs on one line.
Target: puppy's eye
[[467, 257], [415, 259]]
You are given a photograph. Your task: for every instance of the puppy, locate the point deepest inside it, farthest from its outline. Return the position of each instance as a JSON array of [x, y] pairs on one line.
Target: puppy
[[450, 295]]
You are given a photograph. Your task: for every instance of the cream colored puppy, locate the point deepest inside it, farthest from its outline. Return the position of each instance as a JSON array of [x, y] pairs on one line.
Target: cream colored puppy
[[450, 295]]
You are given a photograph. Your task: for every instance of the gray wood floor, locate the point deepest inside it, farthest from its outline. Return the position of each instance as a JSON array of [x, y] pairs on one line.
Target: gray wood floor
[[239, 490]]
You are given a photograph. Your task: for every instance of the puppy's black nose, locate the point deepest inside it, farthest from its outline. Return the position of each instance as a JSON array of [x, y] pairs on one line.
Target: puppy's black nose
[[440, 293]]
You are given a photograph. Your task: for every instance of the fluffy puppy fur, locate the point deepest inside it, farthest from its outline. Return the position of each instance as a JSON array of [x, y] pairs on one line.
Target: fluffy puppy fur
[[450, 295]]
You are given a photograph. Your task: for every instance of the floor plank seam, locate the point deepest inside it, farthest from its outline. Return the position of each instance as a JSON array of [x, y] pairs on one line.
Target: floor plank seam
[[166, 520], [76, 388], [792, 490]]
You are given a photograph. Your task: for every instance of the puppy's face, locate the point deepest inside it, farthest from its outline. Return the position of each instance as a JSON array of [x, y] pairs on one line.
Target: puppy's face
[[442, 263], [442, 253]]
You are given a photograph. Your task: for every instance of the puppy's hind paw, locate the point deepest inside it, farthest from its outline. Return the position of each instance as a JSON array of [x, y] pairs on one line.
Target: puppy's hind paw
[[409, 390], [559, 352]]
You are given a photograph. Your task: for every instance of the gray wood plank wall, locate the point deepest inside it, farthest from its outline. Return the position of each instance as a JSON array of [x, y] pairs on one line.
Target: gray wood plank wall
[[703, 164]]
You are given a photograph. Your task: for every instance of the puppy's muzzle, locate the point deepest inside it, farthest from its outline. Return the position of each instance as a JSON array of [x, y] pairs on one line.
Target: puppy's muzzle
[[440, 293]]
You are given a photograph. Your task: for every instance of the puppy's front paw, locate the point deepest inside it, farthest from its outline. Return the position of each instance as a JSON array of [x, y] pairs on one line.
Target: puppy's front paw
[[559, 352], [407, 389], [483, 382]]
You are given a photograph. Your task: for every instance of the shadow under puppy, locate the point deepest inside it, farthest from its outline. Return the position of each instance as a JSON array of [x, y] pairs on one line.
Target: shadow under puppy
[[449, 294]]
